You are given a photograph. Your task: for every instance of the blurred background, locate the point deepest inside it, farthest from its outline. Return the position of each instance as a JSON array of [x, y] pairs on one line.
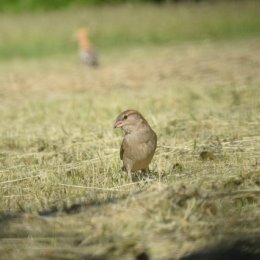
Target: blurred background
[[40, 28]]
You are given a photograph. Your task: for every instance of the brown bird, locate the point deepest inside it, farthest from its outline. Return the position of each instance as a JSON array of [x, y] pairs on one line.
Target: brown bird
[[87, 52], [139, 143]]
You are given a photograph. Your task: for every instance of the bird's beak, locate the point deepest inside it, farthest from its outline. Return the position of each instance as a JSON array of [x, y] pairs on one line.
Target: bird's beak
[[118, 124]]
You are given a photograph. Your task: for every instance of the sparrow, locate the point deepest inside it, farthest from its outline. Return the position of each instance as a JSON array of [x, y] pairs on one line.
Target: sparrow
[[139, 143], [87, 52]]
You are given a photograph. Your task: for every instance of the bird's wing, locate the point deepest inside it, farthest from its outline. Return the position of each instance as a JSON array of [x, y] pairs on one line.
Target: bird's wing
[[122, 149]]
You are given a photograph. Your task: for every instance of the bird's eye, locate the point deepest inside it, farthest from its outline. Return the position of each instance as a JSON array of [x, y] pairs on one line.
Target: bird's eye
[[125, 116]]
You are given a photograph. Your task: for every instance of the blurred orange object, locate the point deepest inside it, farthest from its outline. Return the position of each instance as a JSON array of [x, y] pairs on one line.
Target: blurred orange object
[[87, 52]]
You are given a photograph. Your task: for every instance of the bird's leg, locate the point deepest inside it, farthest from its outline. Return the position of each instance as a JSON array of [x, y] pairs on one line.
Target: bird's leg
[[130, 177], [127, 169], [128, 165]]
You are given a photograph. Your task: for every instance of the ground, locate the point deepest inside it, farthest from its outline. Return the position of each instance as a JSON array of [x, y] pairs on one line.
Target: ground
[[63, 194]]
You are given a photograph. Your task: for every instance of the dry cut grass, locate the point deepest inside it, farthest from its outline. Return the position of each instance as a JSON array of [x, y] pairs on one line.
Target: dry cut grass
[[63, 195]]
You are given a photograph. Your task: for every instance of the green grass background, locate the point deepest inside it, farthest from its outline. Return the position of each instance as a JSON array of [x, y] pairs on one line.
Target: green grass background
[[40, 35]]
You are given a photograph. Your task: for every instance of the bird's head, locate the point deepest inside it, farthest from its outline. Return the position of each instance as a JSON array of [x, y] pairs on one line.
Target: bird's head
[[129, 121]]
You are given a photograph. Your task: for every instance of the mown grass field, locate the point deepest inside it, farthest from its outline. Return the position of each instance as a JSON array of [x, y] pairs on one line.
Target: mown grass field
[[194, 77]]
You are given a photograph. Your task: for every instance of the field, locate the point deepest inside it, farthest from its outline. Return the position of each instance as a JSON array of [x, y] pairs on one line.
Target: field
[[194, 77]]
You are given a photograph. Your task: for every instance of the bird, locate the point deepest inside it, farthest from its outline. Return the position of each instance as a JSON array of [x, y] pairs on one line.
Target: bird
[[139, 142], [87, 52]]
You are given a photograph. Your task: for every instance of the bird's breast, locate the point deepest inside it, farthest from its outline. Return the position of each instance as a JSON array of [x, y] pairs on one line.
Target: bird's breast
[[139, 149]]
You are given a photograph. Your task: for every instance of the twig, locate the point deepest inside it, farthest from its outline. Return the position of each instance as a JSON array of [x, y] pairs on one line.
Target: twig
[[116, 188], [133, 183], [87, 187], [18, 195], [21, 179]]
